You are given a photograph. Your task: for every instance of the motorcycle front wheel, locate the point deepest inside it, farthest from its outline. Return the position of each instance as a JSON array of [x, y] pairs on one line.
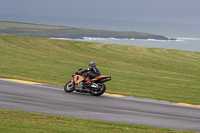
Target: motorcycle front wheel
[[69, 87], [98, 91]]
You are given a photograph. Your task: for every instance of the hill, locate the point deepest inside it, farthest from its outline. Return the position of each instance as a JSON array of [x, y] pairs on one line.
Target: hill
[[162, 74], [34, 30]]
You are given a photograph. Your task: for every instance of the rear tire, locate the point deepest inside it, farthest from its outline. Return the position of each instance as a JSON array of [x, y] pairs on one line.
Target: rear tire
[[69, 87], [98, 92]]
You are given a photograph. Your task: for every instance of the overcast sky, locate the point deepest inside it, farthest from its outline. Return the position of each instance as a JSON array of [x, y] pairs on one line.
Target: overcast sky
[[162, 10]]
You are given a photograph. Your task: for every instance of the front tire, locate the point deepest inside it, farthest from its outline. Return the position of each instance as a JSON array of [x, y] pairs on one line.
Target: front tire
[[98, 92], [69, 87]]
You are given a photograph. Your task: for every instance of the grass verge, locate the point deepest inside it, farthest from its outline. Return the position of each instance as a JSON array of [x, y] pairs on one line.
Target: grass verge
[[24, 122], [161, 74]]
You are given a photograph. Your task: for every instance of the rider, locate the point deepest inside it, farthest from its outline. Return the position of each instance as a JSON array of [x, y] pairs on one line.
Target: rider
[[94, 72]]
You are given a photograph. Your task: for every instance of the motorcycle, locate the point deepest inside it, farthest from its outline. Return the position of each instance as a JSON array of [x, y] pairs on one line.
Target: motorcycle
[[78, 83]]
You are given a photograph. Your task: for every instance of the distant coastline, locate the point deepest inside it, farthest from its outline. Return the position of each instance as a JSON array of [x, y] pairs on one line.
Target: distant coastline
[[47, 31]]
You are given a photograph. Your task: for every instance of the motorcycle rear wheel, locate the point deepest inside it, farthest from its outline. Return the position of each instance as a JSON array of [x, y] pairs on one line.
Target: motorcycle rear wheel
[[69, 87], [98, 92]]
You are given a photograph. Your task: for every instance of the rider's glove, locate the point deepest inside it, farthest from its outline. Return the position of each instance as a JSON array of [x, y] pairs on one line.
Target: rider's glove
[[79, 72]]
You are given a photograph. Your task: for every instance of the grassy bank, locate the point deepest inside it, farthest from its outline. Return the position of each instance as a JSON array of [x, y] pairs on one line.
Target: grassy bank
[[161, 74], [23, 122]]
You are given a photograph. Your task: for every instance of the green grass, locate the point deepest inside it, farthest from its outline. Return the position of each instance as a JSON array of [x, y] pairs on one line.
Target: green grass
[[162, 74], [24, 122]]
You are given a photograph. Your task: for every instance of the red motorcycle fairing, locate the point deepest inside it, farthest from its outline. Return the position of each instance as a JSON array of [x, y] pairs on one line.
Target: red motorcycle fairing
[[77, 79], [102, 78]]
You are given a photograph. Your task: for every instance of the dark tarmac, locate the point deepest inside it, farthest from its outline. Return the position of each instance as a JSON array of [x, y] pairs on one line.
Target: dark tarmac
[[53, 100]]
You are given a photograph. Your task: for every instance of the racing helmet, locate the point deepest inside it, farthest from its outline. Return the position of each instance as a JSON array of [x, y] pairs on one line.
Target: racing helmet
[[92, 64]]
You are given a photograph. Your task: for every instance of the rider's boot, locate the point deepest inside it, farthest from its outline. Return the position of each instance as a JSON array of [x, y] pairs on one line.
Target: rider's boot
[[87, 82]]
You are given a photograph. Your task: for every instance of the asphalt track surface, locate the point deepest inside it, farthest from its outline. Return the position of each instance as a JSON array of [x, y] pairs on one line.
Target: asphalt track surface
[[53, 100]]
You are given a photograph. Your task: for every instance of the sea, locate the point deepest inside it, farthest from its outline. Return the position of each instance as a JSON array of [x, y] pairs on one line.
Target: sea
[[186, 33]]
